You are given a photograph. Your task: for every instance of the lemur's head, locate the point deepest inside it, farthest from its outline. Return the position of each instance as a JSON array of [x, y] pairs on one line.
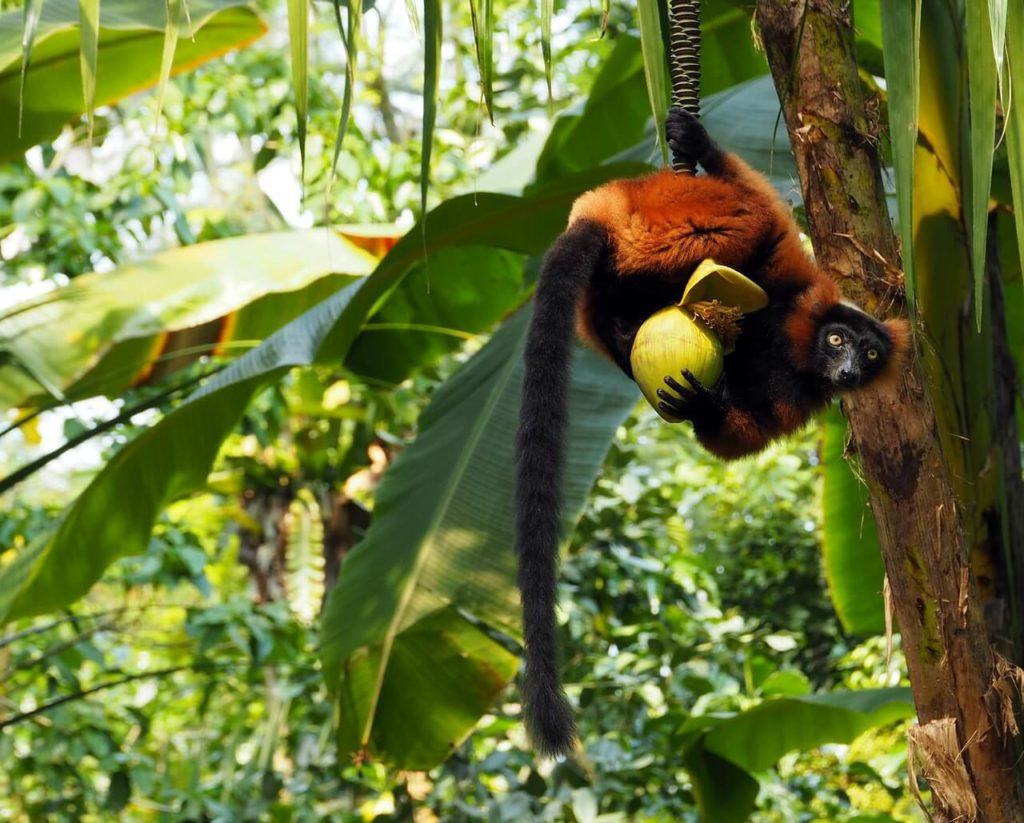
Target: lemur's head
[[852, 348]]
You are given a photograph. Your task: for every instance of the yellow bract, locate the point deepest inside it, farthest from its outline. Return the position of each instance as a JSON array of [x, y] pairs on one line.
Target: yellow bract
[[672, 339]]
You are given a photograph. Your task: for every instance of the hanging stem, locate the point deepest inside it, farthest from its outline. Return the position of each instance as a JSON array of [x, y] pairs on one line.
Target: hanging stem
[[684, 61]]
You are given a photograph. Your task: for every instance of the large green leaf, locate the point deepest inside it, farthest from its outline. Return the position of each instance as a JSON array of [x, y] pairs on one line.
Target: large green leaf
[[482, 12], [724, 792], [756, 739], [114, 325], [722, 754], [852, 553], [131, 39], [439, 559]]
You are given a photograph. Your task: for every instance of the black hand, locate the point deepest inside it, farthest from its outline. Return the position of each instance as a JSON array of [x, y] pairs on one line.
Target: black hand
[[704, 407], [689, 140]]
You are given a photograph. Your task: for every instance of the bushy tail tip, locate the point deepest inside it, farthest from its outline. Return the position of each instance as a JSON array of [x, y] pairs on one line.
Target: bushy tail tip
[[551, 723]]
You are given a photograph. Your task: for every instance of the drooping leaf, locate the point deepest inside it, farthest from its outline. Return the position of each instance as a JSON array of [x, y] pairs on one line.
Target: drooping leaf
[[89, 52], [350, 37], [652, 44], [167, 55], [482, 12], [130, 38], [413, 14], [524, 225], [981, 72], [29, 21], [852, 553], [546, 12], [432, 28], [439, 555], [901, 31], [418, 324], [298, 39]]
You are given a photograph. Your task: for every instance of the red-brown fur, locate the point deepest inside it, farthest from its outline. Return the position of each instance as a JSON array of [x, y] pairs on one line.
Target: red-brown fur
[[661, 226]]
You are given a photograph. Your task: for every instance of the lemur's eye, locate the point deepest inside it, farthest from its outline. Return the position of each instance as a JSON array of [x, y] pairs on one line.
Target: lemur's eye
[[837, 340], [872, 354]]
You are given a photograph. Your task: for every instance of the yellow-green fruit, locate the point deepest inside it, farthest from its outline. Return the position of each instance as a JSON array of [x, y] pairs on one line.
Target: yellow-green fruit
[[668, 342]]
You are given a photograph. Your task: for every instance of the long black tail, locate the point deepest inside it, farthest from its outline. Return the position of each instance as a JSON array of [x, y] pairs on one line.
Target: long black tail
[[540, 449]]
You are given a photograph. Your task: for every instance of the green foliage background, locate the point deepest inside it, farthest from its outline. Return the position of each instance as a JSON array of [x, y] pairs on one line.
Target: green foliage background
[[190, 682]]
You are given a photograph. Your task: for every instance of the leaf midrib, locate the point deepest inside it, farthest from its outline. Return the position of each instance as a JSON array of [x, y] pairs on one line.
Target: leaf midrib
[[428, 542]]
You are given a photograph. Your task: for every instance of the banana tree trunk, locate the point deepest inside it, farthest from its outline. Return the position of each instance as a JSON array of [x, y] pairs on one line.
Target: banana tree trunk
[[924, 495]]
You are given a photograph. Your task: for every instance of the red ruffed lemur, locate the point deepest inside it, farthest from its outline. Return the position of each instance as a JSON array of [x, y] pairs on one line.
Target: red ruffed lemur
[[628, 251]]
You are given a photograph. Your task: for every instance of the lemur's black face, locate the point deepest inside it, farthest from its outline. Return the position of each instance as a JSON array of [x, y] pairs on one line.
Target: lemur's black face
[[851, 348]]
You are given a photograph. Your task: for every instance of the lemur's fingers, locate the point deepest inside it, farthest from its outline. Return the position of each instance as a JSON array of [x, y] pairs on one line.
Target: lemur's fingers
[[675, 402], [698, 386], [679, 389]]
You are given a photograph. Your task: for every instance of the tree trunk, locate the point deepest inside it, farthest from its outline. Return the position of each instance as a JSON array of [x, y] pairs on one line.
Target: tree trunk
[[963, 690]]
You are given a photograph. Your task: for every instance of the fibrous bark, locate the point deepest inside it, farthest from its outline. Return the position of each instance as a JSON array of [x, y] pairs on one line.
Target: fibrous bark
[[955, 673]]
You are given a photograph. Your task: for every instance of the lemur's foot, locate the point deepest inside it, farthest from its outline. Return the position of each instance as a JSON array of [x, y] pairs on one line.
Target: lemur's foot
[[689, 140]]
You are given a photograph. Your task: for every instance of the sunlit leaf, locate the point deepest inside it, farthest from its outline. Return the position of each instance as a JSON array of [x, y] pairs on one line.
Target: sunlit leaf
[[997, 14], [722, 754], [298, 38], [756, 739], [116, 327], [130, 42]]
